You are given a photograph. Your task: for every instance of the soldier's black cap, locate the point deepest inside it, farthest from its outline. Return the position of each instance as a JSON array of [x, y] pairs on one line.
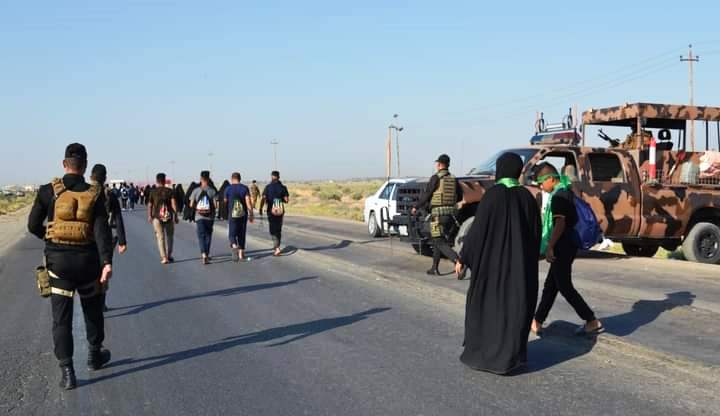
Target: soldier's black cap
[[99, 173], [76, 151], [444, 159]]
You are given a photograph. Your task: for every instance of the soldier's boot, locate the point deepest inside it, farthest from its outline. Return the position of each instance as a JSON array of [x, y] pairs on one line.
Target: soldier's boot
[[97, 358], [68, 380], [433, 271]]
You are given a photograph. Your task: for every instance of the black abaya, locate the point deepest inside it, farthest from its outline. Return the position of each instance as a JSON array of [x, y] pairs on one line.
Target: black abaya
[[502, 250]]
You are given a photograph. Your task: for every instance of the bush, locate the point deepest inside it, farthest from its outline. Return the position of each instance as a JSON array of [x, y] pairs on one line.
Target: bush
[[330, 195], [357, 196]]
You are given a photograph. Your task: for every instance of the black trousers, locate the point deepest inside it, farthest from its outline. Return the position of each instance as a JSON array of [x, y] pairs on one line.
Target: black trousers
[[276, 224], [441, 247], [91, 300], [559, 279], [237, 231]]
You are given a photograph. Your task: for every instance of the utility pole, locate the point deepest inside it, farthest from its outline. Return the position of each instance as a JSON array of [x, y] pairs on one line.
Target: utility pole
[[172, 170], [388, 154], [397, 129], [275, 143], [690, 59], [210, 155]]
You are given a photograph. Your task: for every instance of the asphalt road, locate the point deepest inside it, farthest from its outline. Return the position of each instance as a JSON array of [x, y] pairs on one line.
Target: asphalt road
[[346, 325]]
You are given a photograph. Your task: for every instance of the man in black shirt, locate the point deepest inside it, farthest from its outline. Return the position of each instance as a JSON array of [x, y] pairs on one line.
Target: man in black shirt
[[560, 253], [98, 175], [275, 195], [78, 255]]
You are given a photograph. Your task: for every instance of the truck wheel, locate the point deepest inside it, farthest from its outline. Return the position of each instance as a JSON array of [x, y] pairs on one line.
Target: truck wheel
[[373, 228], [637, 250], [702, 244], [462, 232]]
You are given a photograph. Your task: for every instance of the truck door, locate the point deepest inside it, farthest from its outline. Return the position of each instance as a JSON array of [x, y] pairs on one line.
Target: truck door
[[386, 205], [610, 187]]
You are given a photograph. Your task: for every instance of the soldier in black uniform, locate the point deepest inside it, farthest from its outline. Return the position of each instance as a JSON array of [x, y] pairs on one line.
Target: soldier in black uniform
[[78, 254], [441, 197], [98, 176]]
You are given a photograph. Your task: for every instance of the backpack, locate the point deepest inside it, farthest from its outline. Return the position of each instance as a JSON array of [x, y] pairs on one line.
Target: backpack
[[124, 193], [204, 205], [238, 210], [587, 230], [164, 213], [278, 208]]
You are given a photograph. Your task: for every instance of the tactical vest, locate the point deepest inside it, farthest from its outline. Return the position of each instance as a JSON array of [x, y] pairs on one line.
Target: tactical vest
[[73, 215], [446, 193]]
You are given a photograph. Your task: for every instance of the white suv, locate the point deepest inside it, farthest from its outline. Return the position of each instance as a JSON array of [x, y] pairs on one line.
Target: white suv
[[382, 207]]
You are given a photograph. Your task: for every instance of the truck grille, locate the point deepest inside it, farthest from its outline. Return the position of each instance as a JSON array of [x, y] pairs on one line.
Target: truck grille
[[407, 196]]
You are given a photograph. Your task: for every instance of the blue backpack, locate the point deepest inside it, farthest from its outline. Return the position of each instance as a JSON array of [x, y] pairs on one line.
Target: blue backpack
[[587, 230]]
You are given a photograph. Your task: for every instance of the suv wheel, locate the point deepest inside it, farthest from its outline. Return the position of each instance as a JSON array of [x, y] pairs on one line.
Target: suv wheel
[[702, 244], [637, 250], [373, 228]]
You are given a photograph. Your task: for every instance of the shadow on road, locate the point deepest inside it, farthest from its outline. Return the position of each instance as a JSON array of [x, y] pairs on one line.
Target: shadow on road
[[296, 332], [337, 246], [214, 257], [559, 344], [644, 312], [136, 309]]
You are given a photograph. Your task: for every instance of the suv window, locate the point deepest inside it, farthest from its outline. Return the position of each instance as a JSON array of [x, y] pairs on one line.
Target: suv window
[[606, 167]]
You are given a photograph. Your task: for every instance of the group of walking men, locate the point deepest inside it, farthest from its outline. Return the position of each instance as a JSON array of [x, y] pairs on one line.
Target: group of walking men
[[76, 220], [501, 249]]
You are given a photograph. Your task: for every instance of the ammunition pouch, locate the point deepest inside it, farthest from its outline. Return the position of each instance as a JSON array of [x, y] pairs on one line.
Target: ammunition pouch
[[442, 221], [43, 281], [70, 232]]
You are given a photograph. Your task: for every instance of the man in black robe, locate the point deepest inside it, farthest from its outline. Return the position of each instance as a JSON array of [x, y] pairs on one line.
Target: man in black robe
[[502, 250]]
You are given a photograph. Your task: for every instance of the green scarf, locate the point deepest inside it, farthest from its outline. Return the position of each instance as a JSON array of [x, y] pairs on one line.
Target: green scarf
[[547, 223], [508, 182]]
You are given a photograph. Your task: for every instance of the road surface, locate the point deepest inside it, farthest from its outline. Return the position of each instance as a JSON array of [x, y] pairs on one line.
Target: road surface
[[347, 325]]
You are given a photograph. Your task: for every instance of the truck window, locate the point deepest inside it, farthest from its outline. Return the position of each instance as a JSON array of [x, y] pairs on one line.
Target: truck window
[[385, 194], [564, 162], [606, 167]]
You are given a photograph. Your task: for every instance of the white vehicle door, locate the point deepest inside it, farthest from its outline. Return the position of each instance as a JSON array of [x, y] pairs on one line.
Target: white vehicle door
[[386, 205]]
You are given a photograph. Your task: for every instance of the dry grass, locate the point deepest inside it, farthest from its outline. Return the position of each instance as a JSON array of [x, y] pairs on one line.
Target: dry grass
[[344, 200], [10, 204]]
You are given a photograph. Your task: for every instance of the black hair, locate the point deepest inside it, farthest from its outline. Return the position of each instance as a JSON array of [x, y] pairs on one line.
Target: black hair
[[160, 177], [236, 176]]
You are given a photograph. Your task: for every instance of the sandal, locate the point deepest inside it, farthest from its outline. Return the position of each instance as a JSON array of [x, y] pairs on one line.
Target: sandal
[[582, 331]]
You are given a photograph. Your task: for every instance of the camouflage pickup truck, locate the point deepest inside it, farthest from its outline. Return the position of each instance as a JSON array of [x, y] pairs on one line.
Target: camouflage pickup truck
[[643, 205]]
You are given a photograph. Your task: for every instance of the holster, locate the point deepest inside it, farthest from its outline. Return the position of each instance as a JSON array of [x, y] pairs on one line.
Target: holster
[[43, 280]]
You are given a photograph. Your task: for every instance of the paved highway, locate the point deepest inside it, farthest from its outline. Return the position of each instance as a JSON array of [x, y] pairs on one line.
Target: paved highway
[[347, 325]]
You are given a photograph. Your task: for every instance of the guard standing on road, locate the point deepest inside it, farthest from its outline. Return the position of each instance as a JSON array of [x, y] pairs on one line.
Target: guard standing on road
[[441, 196], [78, 256], [98, 176]]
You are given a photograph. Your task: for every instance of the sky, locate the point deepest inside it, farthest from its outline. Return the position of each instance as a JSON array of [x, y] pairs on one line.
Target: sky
[[146, 83]]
